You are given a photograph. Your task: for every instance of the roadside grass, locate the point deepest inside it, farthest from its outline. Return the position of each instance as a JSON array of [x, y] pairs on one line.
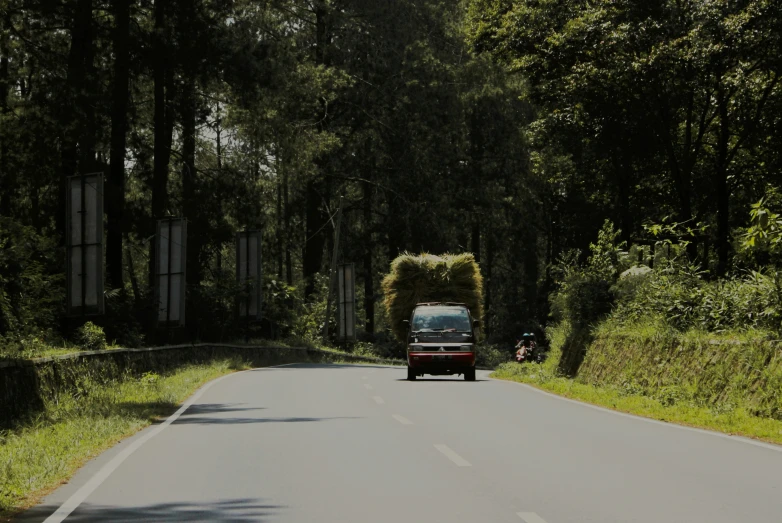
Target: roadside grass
[[40, 454], [722, 418]]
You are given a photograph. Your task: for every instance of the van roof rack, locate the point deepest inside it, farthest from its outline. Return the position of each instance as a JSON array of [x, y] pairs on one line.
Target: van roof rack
[[441, 303]]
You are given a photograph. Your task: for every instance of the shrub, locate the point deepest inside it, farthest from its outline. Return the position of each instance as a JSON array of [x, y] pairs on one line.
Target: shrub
[[91, 337], [492, 356], [584, 294], [686, 301], [31, 281]]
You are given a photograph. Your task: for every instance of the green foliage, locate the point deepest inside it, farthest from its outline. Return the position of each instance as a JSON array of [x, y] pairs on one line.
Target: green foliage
[[90, 337], [308, 322], [681, 298], [281, 306], [490, 355], [584, 296], [31, 282], [764, 235]]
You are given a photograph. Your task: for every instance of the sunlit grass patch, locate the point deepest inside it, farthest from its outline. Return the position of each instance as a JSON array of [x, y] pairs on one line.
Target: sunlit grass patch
[[665, 406]]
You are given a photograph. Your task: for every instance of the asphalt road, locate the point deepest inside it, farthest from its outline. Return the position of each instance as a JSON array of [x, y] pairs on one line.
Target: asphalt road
[[330, 443]]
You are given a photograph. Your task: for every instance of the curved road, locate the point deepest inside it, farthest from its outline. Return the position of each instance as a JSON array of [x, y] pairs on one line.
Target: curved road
[[333, 443]]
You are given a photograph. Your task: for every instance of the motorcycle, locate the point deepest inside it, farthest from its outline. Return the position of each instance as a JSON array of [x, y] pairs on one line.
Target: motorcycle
[[524, 352]]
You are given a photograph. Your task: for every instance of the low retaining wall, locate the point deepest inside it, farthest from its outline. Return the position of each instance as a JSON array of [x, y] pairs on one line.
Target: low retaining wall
[[26, 384]]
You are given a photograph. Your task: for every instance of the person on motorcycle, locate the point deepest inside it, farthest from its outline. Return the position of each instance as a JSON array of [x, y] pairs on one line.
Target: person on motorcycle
[[525, 347]]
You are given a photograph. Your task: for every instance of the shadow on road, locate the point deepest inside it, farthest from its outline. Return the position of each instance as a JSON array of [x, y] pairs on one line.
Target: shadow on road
[[443, 380], [206, 420], [211, 408], [321, 366], [235, 511]]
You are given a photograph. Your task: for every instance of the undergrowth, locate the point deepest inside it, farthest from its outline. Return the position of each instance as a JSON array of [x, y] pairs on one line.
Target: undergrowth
[[722, 383]]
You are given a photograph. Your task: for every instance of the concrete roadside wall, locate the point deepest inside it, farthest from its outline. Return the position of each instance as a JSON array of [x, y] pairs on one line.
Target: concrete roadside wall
[[25, 385]]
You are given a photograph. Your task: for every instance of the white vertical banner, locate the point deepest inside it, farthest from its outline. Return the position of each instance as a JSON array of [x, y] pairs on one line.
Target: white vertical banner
[[84, 243], [346, 302], [171, 265], [249, 273]]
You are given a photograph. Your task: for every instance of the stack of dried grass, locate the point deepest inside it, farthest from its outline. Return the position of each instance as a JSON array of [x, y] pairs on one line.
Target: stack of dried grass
[[427, 278]]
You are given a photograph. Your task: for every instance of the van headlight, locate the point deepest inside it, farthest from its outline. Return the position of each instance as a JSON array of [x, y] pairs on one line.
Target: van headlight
[[415, 348], [466, 348]]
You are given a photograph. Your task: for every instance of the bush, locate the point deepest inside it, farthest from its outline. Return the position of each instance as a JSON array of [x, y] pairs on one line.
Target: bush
[[32, 284], [491, 355], [584, 295], [91, 337], [684, 300]]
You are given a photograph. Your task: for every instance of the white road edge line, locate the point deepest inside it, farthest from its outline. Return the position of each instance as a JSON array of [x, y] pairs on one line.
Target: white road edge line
[[367, 386], [453, 456], [378, 400], [402, 419], [738, 439], [530, 517], [76, 499]]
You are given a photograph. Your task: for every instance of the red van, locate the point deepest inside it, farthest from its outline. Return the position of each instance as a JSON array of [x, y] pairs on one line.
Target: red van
[[441, 341]]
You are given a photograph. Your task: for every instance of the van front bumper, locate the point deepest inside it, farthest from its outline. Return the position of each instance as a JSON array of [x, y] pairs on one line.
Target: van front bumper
[[451, 362]]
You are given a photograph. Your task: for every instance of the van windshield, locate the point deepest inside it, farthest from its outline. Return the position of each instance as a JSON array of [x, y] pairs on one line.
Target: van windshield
[[431, 319]]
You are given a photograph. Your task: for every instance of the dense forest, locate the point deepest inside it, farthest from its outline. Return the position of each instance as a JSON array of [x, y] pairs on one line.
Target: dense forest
[[520, 131]]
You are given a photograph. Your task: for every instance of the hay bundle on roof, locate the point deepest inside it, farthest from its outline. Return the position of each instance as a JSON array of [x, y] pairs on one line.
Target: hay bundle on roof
[[425, 278]]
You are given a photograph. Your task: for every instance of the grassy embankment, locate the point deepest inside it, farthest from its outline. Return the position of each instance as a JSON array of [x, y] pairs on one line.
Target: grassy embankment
[[726, 383]]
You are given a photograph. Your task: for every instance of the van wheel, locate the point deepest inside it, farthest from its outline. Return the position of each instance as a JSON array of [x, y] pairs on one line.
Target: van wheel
[[410, 374], [469, 375]]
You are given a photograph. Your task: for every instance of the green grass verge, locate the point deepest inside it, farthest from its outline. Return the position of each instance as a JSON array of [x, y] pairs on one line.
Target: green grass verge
[[39, 455], [729, 420]]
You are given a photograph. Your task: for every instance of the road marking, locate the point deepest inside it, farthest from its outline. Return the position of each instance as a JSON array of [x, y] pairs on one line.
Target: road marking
[[453, 456], [73, 502], [530, 517], [367, 386], [378, 400], [402, 419]]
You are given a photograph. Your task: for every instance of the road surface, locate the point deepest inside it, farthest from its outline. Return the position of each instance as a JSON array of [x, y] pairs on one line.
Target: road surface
[[333, 443]]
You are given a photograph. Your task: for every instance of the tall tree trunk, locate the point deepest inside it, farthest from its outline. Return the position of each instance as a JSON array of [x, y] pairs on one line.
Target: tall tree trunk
[[189, 181], [369, 284], [71, 117], [488, 302], [162, 74], [475, 238], [721, 186], [286, 205], [7, 176], [280, 218], [119, 125], [219, 140], [86, 104], [531, 273], [314, 215], [316, 236]]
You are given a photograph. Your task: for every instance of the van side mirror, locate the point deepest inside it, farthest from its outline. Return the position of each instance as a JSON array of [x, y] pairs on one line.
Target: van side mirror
[[406, 322], [476, 323]]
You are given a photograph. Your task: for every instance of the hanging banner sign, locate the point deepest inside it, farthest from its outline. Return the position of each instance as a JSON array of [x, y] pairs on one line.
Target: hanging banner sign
[[171, 265], [249, 273], [84, 244], [346, 302]]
